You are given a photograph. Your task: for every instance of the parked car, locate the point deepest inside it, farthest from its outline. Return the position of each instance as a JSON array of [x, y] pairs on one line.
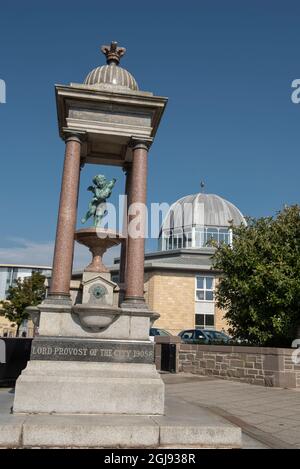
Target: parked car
[[155, 331], [203, 336]]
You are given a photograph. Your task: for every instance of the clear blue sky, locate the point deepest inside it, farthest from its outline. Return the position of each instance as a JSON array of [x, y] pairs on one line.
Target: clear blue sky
[[226, 67]]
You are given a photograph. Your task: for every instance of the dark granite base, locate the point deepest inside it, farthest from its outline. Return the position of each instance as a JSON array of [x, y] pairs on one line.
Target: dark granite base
[[65, 349]]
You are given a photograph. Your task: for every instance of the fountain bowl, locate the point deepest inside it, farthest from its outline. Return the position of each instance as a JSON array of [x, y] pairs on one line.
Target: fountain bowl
[[96, 317], [98, 240]]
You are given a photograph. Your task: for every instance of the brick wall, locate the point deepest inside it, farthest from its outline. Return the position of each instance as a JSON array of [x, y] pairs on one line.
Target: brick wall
[[172, 295], [220, 322], [255, 365]]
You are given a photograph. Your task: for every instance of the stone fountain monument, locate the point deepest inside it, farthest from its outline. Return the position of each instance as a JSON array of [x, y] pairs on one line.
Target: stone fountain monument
[[91, 380], [95, 356]]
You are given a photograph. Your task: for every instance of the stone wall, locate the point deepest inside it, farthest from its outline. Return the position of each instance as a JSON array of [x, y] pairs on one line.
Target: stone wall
[[256, 365]]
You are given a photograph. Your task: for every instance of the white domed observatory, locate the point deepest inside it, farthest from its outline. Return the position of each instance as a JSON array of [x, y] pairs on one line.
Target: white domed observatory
[[180, 280], [194, 220]]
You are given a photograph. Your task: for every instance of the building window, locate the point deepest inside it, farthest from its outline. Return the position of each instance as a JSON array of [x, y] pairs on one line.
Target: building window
[[180, 242], [177, 236], [167, 240], [212, 234], [224, 236], [199, 237], [204, 288], [203, 237], [187, 239], [204, 321], [115, 278]]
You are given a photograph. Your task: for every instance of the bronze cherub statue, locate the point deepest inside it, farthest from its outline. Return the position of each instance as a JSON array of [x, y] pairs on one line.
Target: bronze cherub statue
[[101, 190]]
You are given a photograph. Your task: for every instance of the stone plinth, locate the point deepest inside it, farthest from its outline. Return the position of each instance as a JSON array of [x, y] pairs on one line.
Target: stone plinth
[[61, 321], [78, 387], [82, 366]]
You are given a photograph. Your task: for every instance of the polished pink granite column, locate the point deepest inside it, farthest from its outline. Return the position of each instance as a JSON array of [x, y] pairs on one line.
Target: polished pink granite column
[[66, 224], [134, 277], [123, 254]]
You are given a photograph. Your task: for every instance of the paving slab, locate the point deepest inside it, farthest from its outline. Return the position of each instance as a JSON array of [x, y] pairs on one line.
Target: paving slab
[[11, 430], [267, 415], [6, 399], [251, 443]]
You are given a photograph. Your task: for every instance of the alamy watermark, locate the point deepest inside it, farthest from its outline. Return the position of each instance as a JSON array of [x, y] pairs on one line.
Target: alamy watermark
[[296, 352], [141, 222], [295, 96], [2, 92]]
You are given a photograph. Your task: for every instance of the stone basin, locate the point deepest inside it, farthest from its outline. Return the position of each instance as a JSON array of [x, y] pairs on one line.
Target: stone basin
[[94, 317]]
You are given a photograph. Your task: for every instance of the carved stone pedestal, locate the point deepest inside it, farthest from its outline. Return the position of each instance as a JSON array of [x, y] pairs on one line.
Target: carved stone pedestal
[[90, 377], [93, 356]]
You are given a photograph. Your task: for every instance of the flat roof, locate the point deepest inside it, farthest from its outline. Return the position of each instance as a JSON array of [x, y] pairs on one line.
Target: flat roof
[[27, 266]]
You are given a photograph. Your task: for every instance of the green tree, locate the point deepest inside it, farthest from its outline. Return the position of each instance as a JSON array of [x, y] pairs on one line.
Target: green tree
[[29, 291], [260, 284]]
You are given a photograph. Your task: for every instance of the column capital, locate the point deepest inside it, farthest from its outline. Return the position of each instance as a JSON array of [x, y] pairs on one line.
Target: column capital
[[127, 166], [143, 143], [74, 135]]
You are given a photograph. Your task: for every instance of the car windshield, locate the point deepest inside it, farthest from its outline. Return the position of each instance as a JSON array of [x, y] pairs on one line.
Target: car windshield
[[154, 331], [215, 335], [163, 332], [187, 335]]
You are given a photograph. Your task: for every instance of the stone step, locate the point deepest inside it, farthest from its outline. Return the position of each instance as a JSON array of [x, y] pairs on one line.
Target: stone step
[[183, 426]]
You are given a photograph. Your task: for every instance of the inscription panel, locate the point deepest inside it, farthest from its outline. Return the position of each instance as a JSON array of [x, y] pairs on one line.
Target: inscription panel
[[92, 351], [109, 116]]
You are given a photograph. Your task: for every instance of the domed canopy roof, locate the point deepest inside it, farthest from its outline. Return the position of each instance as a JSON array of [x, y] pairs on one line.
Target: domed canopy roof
[[112, 74], [202, 210]]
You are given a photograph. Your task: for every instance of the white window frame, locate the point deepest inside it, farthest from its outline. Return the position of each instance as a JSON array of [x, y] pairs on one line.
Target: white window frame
[[166, 239], [188, 235], [205, 289], [177, 235], [198, 326]]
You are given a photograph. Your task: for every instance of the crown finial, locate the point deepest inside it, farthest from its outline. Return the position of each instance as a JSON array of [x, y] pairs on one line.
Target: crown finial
[[202, 185], [113, 53]]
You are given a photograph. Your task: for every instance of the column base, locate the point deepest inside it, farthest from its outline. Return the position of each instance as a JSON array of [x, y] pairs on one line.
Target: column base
[[58, 299], [134, 302]]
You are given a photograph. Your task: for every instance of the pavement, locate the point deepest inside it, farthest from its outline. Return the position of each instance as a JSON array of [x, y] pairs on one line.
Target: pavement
[[268, 417]]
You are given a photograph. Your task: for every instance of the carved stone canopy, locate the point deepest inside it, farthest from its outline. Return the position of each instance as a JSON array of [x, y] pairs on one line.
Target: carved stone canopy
[[109, 111]]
